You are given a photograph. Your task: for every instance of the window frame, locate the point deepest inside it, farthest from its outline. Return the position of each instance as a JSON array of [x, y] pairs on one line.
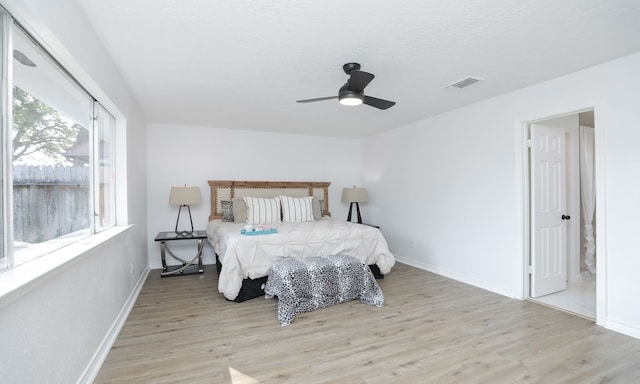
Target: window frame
[[97, 130], [6, 176], [7, 252]]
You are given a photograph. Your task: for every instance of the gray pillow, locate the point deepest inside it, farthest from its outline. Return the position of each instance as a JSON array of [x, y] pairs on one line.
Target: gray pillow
[[227, 211], [316, 206], [239, 210]]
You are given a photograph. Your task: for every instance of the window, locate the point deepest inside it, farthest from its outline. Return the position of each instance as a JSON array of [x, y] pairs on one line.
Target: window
[[59, 155]]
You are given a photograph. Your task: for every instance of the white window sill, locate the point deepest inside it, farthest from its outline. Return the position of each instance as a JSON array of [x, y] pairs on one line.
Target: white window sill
[[25, 277]]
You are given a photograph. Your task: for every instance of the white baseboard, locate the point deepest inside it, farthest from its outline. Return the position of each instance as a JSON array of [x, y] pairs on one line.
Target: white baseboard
[[93, 368], [625, 329], [504, 291]]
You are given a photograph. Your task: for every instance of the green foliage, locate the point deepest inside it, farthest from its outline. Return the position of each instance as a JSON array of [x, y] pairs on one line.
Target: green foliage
[[38, 127]]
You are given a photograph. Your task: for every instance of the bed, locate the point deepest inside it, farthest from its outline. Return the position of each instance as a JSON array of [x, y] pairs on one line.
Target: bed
[[243, 261]]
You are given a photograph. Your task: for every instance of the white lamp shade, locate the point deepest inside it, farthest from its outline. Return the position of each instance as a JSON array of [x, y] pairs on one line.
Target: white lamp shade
[[355, 195], [185, 196]]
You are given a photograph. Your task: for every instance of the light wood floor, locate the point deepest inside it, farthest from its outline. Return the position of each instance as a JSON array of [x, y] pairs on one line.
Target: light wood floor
[[431, 330]]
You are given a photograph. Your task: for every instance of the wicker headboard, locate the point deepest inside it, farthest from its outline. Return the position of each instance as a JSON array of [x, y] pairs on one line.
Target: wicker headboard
[[228, 189]]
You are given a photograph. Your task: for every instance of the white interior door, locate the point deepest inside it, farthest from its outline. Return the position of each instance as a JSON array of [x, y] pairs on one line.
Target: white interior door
[[548, 210]]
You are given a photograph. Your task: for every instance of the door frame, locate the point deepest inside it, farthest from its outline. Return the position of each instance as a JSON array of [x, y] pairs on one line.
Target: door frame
[[523, 221]]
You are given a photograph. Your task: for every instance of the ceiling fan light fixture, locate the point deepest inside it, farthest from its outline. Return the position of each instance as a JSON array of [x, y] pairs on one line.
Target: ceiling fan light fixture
[[349, 97], [351, 100], [352, 92]]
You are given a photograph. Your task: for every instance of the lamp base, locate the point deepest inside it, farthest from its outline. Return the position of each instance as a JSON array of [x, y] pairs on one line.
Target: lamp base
[[357, 210], [184, 233]]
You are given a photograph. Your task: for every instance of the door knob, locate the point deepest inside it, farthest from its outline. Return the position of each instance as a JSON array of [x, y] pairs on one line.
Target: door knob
[[566, 217]]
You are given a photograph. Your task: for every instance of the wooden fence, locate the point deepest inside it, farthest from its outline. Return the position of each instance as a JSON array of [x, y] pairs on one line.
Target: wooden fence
[[49, 202]]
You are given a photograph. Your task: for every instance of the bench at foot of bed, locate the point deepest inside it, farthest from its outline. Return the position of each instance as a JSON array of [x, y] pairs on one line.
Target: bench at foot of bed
[[304, 285], [252, 288]]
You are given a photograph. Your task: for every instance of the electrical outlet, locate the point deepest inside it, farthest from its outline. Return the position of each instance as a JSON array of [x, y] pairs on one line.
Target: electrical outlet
[[413, 243]]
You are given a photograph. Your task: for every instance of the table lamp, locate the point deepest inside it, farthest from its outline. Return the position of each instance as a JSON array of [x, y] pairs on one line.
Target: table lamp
[[184, 197], [355, 195]]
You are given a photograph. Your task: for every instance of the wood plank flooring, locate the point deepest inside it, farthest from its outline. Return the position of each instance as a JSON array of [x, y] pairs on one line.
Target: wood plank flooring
[[431, 330]]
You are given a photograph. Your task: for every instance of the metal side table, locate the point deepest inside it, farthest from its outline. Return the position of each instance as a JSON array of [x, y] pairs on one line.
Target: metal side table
[[187, 267]]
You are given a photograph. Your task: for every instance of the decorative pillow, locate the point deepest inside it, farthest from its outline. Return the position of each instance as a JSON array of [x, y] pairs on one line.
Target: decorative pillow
[[317, 208], [262, 210], [227, 210], [239, 210], [321, 207], [296, 209]]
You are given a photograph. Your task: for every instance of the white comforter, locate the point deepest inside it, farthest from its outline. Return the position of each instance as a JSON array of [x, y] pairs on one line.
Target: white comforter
[[251, 256]]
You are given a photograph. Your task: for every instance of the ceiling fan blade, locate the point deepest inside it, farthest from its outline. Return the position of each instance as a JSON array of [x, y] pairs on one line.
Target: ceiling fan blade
[[359, 80], [378, 103], [318, 99]]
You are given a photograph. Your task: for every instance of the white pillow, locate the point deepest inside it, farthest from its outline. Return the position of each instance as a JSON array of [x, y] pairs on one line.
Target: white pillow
[[296, 209], [262, 210]]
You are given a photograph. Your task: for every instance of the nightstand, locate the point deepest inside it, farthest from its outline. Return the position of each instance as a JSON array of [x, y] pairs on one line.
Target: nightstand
[[186, 267]]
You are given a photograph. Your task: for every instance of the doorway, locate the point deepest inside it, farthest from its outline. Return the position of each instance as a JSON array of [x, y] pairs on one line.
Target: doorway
[[561, 271]]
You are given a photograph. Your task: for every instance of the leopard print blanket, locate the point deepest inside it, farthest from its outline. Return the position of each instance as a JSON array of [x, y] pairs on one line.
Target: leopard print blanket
[[304, 285]]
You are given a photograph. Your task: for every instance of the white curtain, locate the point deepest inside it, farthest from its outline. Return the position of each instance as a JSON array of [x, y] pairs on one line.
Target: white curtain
[[588, 191]]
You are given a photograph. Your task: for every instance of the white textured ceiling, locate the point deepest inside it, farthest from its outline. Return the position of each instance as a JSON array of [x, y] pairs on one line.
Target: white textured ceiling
[[242, 64]]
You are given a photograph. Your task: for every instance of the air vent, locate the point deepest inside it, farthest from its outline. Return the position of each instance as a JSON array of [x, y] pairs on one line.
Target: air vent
[[462, 83]]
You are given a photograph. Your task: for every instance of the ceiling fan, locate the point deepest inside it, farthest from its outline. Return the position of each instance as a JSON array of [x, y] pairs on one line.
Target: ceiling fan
[[352, 92]]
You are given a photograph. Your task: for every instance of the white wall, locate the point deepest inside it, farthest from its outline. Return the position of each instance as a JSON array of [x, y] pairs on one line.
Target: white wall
[[57, 329], [453, 184], [179, 155]]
